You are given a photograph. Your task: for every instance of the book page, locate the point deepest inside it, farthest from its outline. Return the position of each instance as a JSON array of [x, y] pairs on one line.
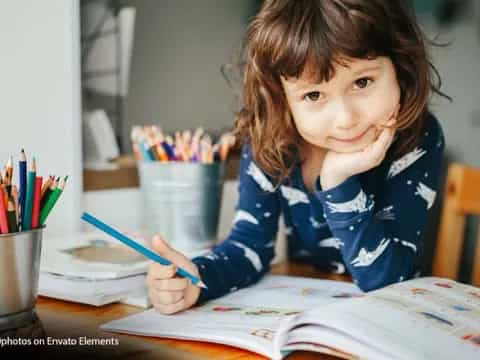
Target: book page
[[247, 318], [418, 319]]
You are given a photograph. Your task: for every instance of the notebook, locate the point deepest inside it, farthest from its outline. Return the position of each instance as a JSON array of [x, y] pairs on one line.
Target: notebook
[[92, 269], [424, 318]]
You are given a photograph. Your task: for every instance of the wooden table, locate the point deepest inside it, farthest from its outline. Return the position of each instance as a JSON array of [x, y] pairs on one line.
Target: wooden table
[[63, 320]]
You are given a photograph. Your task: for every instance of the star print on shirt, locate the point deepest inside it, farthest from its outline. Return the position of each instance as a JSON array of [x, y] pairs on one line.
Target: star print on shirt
[[294, 196], [359, 204], [259, 177], [405, 161], [366, 258], [331, 242], [316, 224], [409, 244], [242, 215], [211, 256], [386, 213], [250, 255], [426, 193]]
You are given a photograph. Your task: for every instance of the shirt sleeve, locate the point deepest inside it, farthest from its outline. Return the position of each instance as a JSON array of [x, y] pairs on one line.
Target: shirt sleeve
[[381, 232], [245, 255]]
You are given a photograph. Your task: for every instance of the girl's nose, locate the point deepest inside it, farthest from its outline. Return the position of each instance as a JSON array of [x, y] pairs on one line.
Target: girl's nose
[[344, 117]]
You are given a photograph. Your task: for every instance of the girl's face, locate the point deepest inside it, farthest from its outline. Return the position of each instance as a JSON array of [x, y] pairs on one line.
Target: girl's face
[[345, 113]]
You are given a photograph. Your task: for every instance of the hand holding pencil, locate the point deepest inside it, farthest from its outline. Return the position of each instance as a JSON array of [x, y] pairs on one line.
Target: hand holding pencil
[[170, 293]]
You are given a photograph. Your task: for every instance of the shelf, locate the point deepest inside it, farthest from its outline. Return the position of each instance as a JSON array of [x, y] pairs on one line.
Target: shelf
[[126, 175]]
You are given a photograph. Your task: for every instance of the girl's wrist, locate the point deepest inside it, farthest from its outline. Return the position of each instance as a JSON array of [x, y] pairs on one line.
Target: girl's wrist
[[329, 181]]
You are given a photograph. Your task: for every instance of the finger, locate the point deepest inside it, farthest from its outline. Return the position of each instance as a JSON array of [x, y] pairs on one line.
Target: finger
[[168, 297], [392, 118], [378, 149], [158, 271], [163, 248], [175, 284], [170, 309], [384, 139]]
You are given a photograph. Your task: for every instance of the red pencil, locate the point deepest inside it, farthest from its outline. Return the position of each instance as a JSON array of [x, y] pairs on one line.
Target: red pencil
[[36, 202], [3, 213]]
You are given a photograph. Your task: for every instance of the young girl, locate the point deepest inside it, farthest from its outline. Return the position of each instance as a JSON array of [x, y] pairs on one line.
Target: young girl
[[337, 137]]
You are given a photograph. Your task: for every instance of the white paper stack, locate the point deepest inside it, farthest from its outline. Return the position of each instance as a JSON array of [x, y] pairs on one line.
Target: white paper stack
[[93, 269]]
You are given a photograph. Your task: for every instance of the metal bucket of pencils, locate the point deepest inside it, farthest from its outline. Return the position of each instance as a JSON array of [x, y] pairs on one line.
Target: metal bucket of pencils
[[181, 201], [19, 273], [23, 212]]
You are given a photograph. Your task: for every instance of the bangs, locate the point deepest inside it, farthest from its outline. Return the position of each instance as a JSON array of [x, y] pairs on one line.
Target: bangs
[[309, 43]]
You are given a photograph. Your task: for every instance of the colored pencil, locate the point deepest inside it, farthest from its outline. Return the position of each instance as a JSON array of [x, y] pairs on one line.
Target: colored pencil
[[141, 249], [12, 216], [15, 199], [52, 199], [3, 213], [5, 195], [9, 176], [46, 185], [49, 191], [36, 202], [27, 219], [150, 144], [22, 170]]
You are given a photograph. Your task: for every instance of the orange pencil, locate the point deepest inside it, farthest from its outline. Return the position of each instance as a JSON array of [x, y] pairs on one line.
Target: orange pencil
[[9, 175], [3, 213], [46, 184], [37, 196], [161, 152]]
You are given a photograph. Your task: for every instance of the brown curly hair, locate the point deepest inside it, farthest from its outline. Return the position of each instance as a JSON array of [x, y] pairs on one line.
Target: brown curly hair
[[287, 36]]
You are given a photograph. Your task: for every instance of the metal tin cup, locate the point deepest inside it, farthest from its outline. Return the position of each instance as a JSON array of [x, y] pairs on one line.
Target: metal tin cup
[[19, 273], [181, 201]]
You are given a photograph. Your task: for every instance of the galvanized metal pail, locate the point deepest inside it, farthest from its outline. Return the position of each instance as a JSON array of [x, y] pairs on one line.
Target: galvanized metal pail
[[181, 201], [19, 272]]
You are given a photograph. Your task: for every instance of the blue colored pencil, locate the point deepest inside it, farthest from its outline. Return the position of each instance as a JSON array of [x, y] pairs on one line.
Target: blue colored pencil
[[141, 249], [22, 166], [147, 155], [168, 149], [27, 218]]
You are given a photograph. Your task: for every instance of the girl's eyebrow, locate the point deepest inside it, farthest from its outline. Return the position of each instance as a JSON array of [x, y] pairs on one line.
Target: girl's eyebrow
[[369, 68]]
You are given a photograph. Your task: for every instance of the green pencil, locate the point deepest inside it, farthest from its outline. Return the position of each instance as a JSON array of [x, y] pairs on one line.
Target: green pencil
[[52, 199], [27, 218]]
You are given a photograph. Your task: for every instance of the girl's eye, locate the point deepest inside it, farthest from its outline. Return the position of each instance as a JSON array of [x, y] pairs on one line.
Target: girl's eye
[[312, 95], [363, 82]]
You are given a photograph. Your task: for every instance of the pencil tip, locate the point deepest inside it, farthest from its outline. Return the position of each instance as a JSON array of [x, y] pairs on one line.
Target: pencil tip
[[202, 285]]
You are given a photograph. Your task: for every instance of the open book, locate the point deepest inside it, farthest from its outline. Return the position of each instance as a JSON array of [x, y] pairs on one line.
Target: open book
[[425, 318]]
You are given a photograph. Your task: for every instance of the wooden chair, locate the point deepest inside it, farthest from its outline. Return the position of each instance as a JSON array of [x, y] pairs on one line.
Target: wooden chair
[[462, 198]]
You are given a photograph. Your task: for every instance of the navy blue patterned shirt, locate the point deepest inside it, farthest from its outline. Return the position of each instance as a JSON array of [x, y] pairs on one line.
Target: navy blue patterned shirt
[[370, 225]]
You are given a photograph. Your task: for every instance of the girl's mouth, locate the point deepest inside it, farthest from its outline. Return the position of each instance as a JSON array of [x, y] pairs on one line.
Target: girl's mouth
[[354, 139]]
